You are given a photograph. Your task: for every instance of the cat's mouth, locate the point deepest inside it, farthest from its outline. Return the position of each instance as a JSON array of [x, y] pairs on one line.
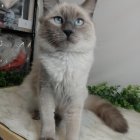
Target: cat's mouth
[[66, 41], [71, 39]]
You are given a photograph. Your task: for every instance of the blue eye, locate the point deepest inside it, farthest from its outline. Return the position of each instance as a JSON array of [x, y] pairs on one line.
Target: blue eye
[[79, 22], [58, 20]]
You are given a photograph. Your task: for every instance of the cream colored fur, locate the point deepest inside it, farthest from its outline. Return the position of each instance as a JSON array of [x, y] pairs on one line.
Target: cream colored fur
[[59, 74], [62, 74]]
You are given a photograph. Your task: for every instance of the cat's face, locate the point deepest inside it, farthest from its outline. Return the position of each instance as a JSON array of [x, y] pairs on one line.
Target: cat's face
[[66, 25]]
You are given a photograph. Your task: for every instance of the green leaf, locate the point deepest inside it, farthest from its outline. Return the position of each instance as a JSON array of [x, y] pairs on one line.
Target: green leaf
[[128, 97]]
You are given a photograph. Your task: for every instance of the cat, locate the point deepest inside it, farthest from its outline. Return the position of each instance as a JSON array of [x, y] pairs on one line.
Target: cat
[[59, 75]]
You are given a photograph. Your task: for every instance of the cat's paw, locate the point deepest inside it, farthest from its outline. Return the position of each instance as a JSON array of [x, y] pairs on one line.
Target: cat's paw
[[46, 138]]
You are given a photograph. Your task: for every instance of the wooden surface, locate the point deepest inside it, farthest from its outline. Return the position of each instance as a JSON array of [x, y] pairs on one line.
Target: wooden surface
[[7, 134]]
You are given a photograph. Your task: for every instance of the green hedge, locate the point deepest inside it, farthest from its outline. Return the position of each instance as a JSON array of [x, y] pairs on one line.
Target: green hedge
[[11, 78], [128, 97]]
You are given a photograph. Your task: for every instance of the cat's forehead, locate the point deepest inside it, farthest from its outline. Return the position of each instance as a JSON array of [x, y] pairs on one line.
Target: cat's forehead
[[68, 11]]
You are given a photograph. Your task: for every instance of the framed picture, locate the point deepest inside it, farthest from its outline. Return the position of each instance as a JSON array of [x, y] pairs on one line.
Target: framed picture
[[17, 14]]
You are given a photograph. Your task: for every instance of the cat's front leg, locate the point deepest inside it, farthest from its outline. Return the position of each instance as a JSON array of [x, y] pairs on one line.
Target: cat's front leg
[[47, 109], [73, 121]]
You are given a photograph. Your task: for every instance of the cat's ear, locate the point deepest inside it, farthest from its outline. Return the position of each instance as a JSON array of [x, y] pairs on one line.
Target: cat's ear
[[89, 6], [48, 4]]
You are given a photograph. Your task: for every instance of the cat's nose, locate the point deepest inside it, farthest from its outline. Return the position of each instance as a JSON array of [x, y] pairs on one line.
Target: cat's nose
[[68, 32]]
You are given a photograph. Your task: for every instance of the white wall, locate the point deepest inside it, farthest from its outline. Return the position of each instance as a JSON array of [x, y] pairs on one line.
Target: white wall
[[117, 56]]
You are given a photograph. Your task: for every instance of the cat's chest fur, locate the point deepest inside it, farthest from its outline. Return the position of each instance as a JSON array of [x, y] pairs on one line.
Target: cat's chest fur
[[66, 72], [62, 66]]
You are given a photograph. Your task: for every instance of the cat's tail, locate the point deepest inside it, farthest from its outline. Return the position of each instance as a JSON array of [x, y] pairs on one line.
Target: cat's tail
[[110, 115]]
